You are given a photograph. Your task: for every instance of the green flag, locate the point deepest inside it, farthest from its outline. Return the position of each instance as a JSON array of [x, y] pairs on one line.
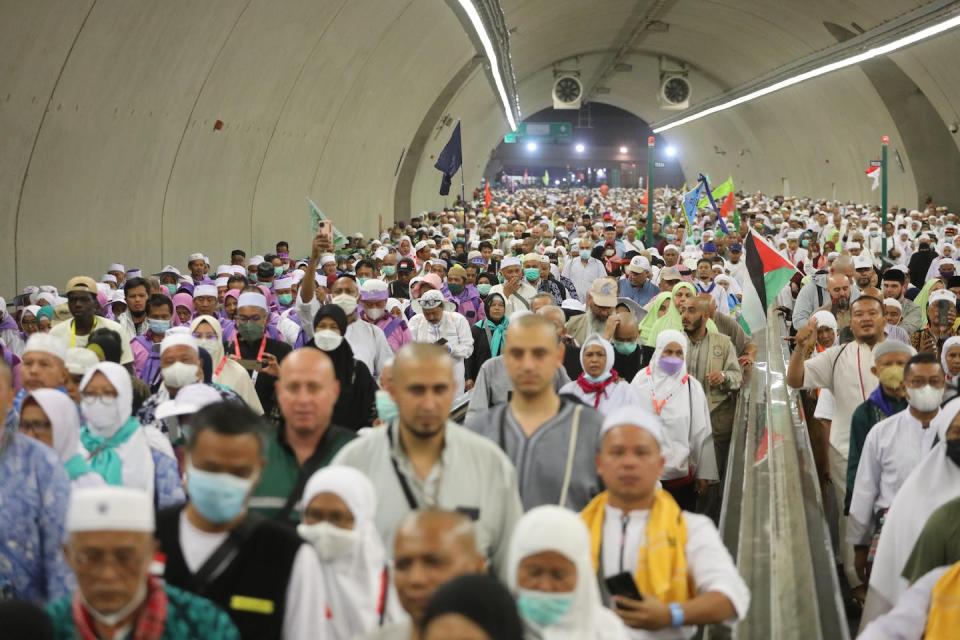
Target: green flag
[[546, 178], [719, 192], [339, 240]]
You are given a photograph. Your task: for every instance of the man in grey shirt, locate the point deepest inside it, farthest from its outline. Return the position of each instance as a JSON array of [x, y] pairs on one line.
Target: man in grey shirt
[[552, 440], [423, 460], [493, 386]]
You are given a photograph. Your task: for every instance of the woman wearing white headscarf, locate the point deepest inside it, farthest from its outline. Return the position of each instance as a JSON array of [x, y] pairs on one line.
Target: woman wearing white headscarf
[[114, 442], [935, 481], [339, 506], [825, 401], [667, 390], [950, 361], [551, 575], [61, 432], [209, 334], [599, 386]]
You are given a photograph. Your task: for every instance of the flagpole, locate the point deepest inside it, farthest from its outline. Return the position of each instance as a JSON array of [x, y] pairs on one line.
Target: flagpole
[[885, 140], [651, 152], [463, 199]]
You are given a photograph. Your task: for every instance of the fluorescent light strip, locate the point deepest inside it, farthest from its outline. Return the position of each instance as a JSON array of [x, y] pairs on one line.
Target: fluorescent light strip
[[923, 34], [477, 23]]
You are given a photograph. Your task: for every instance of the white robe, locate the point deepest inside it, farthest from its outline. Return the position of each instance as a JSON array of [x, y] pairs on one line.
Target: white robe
[[456, 330], [934, 482], [891, 452], [689, 438], [708, 562], [619, 394]]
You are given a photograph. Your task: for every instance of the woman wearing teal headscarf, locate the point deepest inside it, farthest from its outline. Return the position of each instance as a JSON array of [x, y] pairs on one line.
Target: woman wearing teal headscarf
[[682, 293], [923, 298], [488, 334], [657, 308], [115, 444]]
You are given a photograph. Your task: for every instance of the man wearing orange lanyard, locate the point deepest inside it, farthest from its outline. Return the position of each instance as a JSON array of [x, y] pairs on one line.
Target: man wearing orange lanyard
[[257, 353], [845, 370]]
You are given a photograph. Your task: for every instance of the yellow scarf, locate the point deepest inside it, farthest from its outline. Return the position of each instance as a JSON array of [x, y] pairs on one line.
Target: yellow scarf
[[943, 620], [662, 563]]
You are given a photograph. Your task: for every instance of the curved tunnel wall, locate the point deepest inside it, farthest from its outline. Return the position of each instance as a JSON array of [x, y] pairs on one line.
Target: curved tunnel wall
[[111, 104], [107, 110]]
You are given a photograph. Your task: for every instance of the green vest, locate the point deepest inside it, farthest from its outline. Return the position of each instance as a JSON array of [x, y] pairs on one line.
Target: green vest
[[282, 474]]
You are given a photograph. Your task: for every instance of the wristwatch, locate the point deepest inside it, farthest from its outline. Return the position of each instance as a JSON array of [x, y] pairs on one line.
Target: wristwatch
[[676, 615]]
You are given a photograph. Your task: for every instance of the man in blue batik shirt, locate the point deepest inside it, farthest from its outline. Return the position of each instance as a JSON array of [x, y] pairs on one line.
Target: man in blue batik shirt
[[34, 491], [637, 285]]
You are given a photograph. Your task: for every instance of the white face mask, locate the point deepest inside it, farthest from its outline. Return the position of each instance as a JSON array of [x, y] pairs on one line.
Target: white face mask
[[103, 419], [327, 339], [375, 313], [208, 344], [179, 374], [330, 542], [346, 302], [926, 398]]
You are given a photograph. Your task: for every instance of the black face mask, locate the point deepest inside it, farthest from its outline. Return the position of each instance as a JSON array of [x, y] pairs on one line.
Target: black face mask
[[953, 451]]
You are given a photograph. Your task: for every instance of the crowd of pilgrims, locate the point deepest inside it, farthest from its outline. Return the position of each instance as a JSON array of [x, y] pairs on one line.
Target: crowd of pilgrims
[[264, 449]]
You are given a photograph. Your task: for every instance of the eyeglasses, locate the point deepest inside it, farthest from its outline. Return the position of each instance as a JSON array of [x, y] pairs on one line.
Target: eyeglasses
[[128, 560], [35, 427]]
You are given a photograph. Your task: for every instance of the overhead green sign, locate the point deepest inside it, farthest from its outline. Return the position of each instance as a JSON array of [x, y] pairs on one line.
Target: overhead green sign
[[558, 131]]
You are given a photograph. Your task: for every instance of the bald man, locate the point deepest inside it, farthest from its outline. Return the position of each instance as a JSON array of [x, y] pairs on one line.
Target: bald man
[[307, 390], [814, 294], [425, 460], [431, 547], [627, 357], [839, 287]]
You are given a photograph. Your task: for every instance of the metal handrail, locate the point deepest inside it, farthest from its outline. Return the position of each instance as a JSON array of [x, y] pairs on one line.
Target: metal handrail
[[773, 519]]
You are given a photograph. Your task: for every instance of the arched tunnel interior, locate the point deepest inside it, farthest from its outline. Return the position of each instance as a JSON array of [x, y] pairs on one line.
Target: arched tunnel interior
[[169, 123]]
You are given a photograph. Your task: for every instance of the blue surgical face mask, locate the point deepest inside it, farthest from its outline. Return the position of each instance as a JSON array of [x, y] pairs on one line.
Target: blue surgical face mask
[[219, 497], [600, 378], [484, 288], [386, 407], [158, 326], [278, 271], [805, 243], [543, 608], [286, 299]]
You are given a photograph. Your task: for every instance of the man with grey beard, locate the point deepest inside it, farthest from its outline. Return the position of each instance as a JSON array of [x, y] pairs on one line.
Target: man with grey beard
[[601, 301]]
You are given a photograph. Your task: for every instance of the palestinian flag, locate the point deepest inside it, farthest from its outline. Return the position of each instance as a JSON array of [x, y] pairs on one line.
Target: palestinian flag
[[769, 274]]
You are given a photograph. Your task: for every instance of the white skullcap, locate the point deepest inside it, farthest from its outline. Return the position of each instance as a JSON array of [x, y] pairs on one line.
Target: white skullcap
[[205, 290], [893, 346], [942, 294], [327, 258], [118, 296], [892, 302], [79, 360], [670, 247], [196, 256], [423, 244], [510, 261], [221, 282], [283, 283], [254, 261], [393, 303], [177, 336], [116, 266], [252, 299], [634, 416], [46, 343], [109, 277], [189, 400], [224, 268], [109, 508], [825, 319], [238, 270], [851, 245]]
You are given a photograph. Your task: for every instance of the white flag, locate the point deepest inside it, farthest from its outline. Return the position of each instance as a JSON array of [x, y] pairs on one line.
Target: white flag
[[873, 173]]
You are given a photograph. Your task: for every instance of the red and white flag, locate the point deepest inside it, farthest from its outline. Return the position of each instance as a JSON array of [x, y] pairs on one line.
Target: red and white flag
[[873, 173]]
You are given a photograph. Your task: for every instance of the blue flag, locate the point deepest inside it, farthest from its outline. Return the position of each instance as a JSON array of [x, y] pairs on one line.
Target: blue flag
[[690, 200], [713, 203], [449, 160]]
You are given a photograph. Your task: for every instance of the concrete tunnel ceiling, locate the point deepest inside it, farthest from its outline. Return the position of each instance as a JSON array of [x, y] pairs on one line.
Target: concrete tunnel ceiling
[[811, 139], [109, 108]]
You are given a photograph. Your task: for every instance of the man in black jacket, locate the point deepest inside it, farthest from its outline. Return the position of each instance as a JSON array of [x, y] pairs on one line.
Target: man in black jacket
[[258, 571]]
